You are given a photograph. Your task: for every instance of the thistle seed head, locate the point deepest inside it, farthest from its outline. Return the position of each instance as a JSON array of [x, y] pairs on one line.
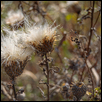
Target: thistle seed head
[[14, 56], [40, 38], [79, 90]]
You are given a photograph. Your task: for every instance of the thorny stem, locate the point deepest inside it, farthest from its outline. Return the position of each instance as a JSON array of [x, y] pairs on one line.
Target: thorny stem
[[13, 82], [47, 68]]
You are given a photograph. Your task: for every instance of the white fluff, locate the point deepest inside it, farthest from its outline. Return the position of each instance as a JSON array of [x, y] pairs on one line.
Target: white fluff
[[14, 16], [11, 50], [37, 33], [17, 45]]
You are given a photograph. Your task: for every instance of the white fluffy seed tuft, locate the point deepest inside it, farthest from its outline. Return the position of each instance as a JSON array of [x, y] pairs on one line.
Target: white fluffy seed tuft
[[37, 33], [11, 49]]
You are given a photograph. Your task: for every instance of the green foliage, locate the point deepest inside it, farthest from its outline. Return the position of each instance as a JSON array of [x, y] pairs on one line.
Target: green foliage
[[68, 17]]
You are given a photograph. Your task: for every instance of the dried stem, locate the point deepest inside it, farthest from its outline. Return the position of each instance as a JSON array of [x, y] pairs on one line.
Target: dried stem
[[97, 19], [72, 76], [91, 77], [59, 57], [91, 26], [13, 82], [89, 45], [47, 68], [82, 74]]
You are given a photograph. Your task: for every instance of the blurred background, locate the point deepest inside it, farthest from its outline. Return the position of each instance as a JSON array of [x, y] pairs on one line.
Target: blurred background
[[74, 59]]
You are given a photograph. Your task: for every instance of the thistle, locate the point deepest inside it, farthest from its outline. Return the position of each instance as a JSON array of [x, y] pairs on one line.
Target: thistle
[[14, 56], [79, 90], [39, 38], [15, 19]]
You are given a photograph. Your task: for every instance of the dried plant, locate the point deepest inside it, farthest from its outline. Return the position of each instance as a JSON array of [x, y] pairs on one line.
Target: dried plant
[[69, 71]]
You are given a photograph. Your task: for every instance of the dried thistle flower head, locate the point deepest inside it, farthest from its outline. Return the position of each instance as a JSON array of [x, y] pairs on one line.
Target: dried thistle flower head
[[40, 38], [79, 90], [15, 19], [14, 56]]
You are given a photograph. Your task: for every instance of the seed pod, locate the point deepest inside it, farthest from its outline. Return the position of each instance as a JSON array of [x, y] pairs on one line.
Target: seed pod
[[15, 68], [79, 90], [40, 38], [14, 56]]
